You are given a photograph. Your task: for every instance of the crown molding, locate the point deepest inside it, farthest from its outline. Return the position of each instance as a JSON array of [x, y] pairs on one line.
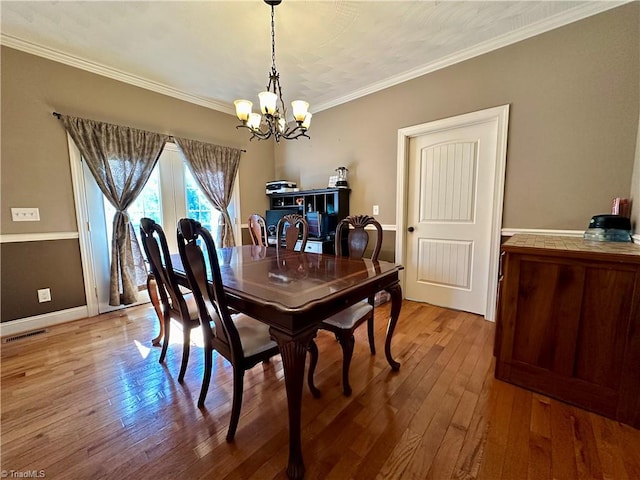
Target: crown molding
[[105, 71], [565, 18]]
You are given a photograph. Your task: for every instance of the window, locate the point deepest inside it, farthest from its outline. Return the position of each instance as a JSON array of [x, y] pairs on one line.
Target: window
[[198, 206], [148, 204], [171, 193]]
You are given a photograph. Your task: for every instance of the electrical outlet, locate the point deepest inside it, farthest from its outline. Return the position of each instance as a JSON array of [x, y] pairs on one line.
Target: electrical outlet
[[44, 295], [376, 210], [25, 214]]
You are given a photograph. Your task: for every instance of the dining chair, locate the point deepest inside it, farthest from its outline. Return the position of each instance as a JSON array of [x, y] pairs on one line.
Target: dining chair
[[174, 304], [242, 340], [289, 228], [258, 230], [343, 324]]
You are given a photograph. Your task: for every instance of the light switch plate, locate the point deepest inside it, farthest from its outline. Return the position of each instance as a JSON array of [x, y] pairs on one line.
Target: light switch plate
[[44, 295], [25, 214]]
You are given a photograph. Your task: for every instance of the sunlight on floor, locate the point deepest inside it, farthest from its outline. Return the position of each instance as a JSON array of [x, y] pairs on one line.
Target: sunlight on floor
[[144, 350], [175, 338]]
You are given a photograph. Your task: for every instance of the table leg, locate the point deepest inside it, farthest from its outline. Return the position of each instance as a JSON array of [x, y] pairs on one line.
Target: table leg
[[396, 303], [152, 288], [294, 352]]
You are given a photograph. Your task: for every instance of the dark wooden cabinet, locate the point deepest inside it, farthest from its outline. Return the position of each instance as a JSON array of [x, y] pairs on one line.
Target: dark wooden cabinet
[[568, 322], [324, 200], [332, 202]]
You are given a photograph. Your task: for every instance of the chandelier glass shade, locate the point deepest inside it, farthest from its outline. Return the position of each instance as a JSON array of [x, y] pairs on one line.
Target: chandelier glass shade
[[272, 119]]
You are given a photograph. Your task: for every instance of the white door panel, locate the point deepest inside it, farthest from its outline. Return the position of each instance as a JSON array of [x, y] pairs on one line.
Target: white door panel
[[451, 178]]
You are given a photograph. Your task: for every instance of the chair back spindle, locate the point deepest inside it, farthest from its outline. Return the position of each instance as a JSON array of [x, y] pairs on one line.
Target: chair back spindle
[[258, 230], [358, 237], [296, 225], [156, 248]]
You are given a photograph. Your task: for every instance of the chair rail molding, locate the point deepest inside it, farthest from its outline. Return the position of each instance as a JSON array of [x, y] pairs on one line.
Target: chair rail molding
[[37, 237]]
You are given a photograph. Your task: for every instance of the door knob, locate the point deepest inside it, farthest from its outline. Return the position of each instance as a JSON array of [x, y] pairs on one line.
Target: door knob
[[410, 229]]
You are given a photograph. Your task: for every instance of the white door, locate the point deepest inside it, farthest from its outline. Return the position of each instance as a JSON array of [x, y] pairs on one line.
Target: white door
[[98, 233], [453, 187]]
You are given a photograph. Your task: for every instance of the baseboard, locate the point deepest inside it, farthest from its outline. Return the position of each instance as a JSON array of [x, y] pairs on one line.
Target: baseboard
[[36, 322], [508, 232]]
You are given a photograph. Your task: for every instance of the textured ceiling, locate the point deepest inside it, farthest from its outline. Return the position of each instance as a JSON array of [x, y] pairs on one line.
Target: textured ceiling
[[327, 52]]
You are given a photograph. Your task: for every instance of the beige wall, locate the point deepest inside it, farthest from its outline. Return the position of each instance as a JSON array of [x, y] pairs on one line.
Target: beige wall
[[35, 168], [574, 96], [30, 266]]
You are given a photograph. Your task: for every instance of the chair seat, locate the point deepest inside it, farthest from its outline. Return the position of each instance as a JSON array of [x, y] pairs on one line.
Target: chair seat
[[348, 317], [254, 335], [191, 306]]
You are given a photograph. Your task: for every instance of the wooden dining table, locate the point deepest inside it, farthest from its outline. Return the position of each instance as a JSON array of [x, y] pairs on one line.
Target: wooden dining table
[[293, 292]]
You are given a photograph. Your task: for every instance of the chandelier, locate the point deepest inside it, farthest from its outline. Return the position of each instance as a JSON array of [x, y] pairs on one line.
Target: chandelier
[[273, 121]]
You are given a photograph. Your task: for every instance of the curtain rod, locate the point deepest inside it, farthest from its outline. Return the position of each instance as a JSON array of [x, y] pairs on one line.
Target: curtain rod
[[58, 115]]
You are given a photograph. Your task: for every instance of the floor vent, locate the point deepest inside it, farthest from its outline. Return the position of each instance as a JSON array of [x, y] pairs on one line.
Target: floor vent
[[23, 335]]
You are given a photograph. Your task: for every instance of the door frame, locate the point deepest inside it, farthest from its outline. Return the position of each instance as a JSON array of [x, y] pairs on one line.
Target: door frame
[[499, 114], [84, 237]]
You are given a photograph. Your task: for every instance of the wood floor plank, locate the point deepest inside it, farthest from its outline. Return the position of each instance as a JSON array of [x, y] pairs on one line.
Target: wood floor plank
[[609, 451], [540, 438], [498, 432], [517, 453], [563, 460], [472, 450], [88, 399], [587, 459], [628, 441]]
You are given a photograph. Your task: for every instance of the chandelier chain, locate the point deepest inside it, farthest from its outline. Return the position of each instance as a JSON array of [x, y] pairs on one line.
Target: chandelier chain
[[273, 38]]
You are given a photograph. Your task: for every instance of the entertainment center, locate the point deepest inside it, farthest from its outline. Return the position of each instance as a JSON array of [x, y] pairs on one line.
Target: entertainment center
[[323, 208]]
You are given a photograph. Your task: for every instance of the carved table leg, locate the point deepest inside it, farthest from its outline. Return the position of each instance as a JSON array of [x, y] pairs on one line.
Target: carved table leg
[[396, 304], [293, 351], [152, 288]]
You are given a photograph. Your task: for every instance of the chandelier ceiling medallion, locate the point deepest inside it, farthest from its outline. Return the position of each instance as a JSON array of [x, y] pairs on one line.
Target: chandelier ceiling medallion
[[273, 121]]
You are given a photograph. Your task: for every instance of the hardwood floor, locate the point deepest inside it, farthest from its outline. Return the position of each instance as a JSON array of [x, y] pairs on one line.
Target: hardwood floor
[[88, 399]]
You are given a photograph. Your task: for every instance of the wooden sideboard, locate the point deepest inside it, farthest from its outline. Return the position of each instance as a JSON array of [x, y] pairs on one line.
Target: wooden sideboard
[[568, 323]]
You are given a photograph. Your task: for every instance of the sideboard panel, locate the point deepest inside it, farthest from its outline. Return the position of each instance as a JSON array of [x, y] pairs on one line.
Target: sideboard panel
[[569, 322]]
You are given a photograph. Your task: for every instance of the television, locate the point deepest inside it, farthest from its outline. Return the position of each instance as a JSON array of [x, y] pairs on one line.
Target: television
[[272, 217]]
